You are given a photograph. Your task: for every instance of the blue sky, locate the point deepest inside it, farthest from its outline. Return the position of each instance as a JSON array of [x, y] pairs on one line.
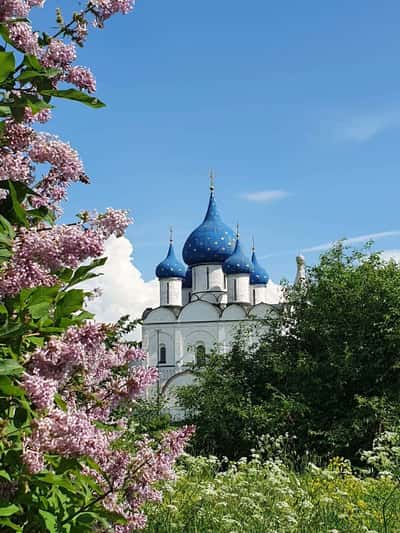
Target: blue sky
[[297, 97]]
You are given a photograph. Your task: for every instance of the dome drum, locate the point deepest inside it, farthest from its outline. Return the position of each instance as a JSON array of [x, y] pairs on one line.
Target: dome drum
[[238, 288]]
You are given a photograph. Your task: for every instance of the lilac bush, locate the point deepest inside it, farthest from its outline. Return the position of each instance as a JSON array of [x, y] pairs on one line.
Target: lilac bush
[[70, 460]]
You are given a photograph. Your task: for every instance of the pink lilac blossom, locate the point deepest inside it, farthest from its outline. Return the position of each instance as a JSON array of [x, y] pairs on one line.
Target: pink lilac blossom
[[64, 159], [33, 459], [69, 434], [58, 54], [128, 476], [37, 254], [104, 9], [15, 167], [17, 276], [83, 348], [79, 347], [13, 8], [18, 135], [112, 222], [82, 78], [66, 167], [10, 9], [40, 390], [81, 32], [61, 246], [30, 147], [24, 38], [139, 378], [42, 116]]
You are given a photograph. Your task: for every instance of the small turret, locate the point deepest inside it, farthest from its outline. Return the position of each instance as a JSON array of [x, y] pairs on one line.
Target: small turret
[[301, 276], [237, 269], [258, 280], [170, 273]]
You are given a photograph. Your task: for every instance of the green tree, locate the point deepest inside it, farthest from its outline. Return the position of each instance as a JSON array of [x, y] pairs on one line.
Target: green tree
[[326, 367]]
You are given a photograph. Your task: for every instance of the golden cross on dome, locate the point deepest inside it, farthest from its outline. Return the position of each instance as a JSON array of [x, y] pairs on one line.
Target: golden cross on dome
[[171, 234], [237, 231], [253, 248]]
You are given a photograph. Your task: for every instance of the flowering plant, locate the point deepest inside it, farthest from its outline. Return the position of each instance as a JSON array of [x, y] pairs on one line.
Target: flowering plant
[[69, 460]]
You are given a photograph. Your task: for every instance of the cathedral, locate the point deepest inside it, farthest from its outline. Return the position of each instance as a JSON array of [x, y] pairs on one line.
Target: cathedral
[[202, 304]]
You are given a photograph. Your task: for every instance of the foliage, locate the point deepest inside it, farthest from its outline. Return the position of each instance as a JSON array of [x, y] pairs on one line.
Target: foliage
[[69, 458], [150, 416], [326, 367], [384, 457], [259, 496]]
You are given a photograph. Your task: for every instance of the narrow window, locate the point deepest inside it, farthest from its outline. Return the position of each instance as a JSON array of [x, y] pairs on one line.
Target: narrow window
[[163, 355], [224, 281], [200, 355], [189, 297], [235, 289], [194, 279], [254, 296], [208, 277], [167, 292]]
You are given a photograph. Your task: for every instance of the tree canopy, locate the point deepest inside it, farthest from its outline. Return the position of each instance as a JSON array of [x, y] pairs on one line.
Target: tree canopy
[[325, 368]]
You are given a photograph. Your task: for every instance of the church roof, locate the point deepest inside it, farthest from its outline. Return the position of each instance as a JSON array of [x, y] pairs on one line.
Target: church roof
[[187, 282], [258, 275], [212, 242], [237, 263], [171, 267]]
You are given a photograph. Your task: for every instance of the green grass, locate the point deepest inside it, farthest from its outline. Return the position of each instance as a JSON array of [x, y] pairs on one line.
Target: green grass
[[261, 497]]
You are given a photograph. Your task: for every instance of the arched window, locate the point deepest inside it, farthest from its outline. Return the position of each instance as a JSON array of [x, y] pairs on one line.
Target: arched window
[[200, 355], [163, 355]]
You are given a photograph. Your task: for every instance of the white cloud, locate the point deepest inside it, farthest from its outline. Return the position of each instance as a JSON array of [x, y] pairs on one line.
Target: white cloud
[[124, 291], [264, 196], [354, 240], [365, 127], [387, 255]]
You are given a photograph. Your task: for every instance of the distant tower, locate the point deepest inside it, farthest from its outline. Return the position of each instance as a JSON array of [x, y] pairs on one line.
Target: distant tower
[[170, 273], [301, 276], [258, 280], [205, 250], [237, 269]]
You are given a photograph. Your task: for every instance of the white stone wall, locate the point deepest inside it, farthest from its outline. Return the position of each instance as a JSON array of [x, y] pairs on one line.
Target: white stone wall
[[242, 292], [181, 331], [171, 291], [258, 294]]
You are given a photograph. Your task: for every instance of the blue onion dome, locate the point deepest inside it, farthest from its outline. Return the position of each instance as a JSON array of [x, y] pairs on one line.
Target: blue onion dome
[[258, 275], [187, 282], [212, 242], [170, 267], [237, 263]]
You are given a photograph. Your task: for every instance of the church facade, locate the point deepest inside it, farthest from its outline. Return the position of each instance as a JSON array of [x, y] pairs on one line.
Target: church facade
[[203, 302]]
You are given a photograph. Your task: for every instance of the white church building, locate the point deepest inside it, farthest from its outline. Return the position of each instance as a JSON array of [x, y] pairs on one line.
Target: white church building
[[202, 304]]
